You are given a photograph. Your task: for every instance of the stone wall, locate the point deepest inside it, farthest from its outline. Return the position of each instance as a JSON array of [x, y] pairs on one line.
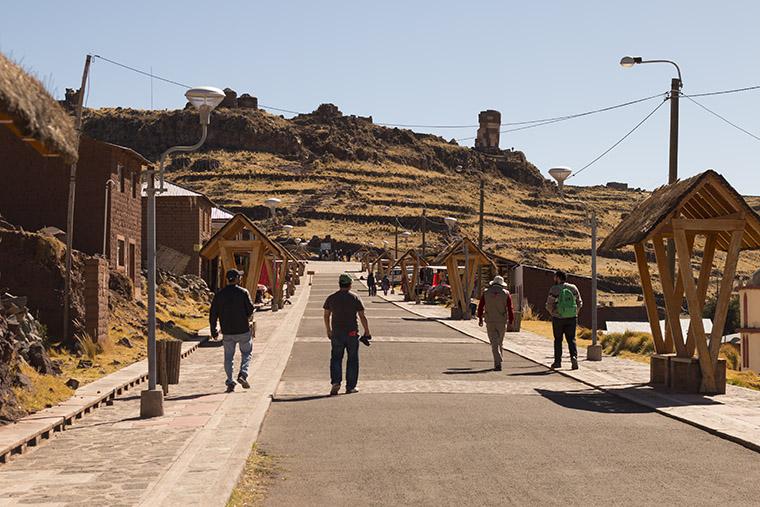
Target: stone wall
[[96, 311], [488, 133]]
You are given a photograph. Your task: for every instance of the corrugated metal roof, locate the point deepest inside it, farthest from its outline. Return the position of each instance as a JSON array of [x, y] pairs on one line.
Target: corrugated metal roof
[[220, 214], [173, 190]]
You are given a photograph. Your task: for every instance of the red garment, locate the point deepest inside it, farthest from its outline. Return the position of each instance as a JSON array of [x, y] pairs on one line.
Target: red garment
[[510, 310]]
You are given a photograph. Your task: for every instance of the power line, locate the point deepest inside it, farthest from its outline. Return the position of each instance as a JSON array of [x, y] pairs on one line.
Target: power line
[[723, 92], [144, 73], [547, 121], [619, 141], [724, 119]]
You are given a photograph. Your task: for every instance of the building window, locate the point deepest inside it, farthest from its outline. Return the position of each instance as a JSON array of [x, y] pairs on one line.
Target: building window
[[121, 177], [132, 262], [121, 255]]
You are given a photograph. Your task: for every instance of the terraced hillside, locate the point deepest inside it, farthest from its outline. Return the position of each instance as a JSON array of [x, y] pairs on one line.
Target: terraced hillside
[[346, 177]]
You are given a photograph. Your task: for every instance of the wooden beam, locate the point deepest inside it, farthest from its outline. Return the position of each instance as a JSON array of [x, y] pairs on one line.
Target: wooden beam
[[695, 315], [724, 296], [702, 284], [708, 224], [672, 307], [649, 301]]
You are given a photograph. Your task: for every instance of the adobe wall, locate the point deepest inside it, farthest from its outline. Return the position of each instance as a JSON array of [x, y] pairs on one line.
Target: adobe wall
[[535, 288]]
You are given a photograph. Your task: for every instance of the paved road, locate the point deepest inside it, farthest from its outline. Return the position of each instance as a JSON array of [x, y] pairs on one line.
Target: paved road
[[433, 425]]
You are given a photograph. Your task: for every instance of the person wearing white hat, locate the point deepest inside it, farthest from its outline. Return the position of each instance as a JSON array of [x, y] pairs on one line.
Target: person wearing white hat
[[495, 308]]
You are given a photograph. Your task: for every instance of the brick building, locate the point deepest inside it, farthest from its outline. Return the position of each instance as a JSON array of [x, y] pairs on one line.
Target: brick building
[[532, 285], [35, 192], [183, 225]]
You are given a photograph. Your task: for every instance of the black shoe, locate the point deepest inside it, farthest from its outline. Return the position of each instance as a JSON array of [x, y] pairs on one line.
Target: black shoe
[[243, 382], [574, 363], [230, 388], [555, 365], [497, 367]]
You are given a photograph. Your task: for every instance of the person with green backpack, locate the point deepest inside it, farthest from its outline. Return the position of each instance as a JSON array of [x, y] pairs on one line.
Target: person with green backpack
[[564, 303]]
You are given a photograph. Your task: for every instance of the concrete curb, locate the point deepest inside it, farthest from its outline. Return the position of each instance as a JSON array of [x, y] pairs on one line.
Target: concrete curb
[[32, 430], [747, 437]]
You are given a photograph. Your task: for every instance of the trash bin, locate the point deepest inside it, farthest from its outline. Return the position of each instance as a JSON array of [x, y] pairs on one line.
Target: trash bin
[[168, 357]]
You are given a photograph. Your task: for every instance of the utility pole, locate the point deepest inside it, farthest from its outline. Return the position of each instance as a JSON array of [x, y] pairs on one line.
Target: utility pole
[[424, 229], [396, 256], [72, 199], [675, 92]]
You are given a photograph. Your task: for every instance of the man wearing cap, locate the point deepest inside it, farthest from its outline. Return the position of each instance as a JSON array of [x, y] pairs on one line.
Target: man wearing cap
[[495, 307], [341, 309], [233, 308]]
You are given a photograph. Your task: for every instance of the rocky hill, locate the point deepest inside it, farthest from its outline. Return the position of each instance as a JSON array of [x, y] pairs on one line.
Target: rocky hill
[[347, 177]]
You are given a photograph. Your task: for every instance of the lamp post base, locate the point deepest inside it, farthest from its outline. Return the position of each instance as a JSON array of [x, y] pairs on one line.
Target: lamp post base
[[151, 403], [594, 353]]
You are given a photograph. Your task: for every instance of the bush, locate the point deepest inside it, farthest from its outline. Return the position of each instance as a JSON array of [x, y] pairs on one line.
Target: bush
[[637, 343], [528, 313], [733, 321]]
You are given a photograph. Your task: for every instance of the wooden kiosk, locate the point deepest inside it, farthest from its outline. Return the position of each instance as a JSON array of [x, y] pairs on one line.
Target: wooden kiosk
[[705, 208], [409, 285], [463, 260], [240, 244], [381, 265]]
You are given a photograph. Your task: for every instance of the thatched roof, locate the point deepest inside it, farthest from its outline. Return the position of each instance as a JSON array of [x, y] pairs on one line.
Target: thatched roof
[[455, 247], [706, 195], [413, 255], [32, 114], [230, 231]]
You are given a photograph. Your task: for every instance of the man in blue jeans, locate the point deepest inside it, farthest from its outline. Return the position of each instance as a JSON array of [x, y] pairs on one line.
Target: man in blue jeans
[[341, 309], [232, 306]]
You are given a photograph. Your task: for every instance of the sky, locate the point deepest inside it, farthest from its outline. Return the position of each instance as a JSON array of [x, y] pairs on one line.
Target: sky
[[434, 63]]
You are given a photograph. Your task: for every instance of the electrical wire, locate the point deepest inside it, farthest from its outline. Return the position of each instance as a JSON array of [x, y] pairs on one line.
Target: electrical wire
[[723, 92], [605, 152], [144, 73], [723, 118], [547, 121]]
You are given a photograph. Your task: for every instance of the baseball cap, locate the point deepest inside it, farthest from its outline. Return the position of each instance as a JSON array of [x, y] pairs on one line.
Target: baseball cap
[[233, 273], [345, 279]]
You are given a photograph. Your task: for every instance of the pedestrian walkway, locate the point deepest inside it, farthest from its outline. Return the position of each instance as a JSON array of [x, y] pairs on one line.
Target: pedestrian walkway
[[191, 456], [433, 424], [734, 415]]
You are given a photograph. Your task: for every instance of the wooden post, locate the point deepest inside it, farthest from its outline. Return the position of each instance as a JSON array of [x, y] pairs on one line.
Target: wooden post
[[672, 307], [649, 301]]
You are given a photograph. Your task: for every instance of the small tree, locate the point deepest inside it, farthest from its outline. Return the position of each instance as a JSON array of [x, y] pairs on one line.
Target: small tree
[[732, 317]]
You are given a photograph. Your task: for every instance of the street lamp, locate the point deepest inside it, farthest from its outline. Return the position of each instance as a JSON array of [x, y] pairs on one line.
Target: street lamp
[[676, 84], [288, 229], [594, 352], [204, 99]]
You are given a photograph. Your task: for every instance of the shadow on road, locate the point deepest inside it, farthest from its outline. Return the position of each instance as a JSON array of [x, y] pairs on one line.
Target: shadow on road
[[592, 401], [540, 373], [290, 399], [466, 371]]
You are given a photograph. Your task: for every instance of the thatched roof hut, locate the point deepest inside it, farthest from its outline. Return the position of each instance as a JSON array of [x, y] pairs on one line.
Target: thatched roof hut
[[33, 115], [705, 195]]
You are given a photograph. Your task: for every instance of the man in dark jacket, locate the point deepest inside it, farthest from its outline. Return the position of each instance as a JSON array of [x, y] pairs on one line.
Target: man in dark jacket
[[341, 310], [563, 304], [232, 306]]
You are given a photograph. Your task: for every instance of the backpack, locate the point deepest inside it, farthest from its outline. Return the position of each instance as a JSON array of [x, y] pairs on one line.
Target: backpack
[[566, 307]]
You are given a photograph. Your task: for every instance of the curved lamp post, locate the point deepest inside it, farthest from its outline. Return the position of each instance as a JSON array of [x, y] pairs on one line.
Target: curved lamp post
[[675, 91], [560, 174], [205, 99]]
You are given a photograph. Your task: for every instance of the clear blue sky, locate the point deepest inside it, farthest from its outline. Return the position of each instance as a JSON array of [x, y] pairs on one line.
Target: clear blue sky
[[433, 63]]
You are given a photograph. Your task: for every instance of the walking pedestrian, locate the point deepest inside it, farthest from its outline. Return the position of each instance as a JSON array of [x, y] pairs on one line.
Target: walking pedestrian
[[341, 310], [563, 303], [385, 284], [233, 308], [371, 285], [495, 307]]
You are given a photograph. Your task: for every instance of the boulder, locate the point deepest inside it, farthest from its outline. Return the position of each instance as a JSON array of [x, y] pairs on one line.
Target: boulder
[[246, 101]]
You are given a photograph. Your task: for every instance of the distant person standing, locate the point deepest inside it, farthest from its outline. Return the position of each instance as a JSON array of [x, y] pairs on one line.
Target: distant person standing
[[495, 307], [341, 310], [233, 308], [564, 303], [371, 284], [385, 284]]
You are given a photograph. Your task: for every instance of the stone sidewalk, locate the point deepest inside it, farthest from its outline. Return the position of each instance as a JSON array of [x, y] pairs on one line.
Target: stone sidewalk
[[191, 456], [734, 415]]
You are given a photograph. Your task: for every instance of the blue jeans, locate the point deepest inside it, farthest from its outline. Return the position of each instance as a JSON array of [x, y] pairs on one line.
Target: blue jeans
[[340, 344], [245, 342]]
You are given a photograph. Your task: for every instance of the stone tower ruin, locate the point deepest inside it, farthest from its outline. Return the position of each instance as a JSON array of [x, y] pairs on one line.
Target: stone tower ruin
[[488, 132]]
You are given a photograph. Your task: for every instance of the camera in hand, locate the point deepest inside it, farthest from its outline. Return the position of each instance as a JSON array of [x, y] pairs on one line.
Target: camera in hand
[[365, 339]]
